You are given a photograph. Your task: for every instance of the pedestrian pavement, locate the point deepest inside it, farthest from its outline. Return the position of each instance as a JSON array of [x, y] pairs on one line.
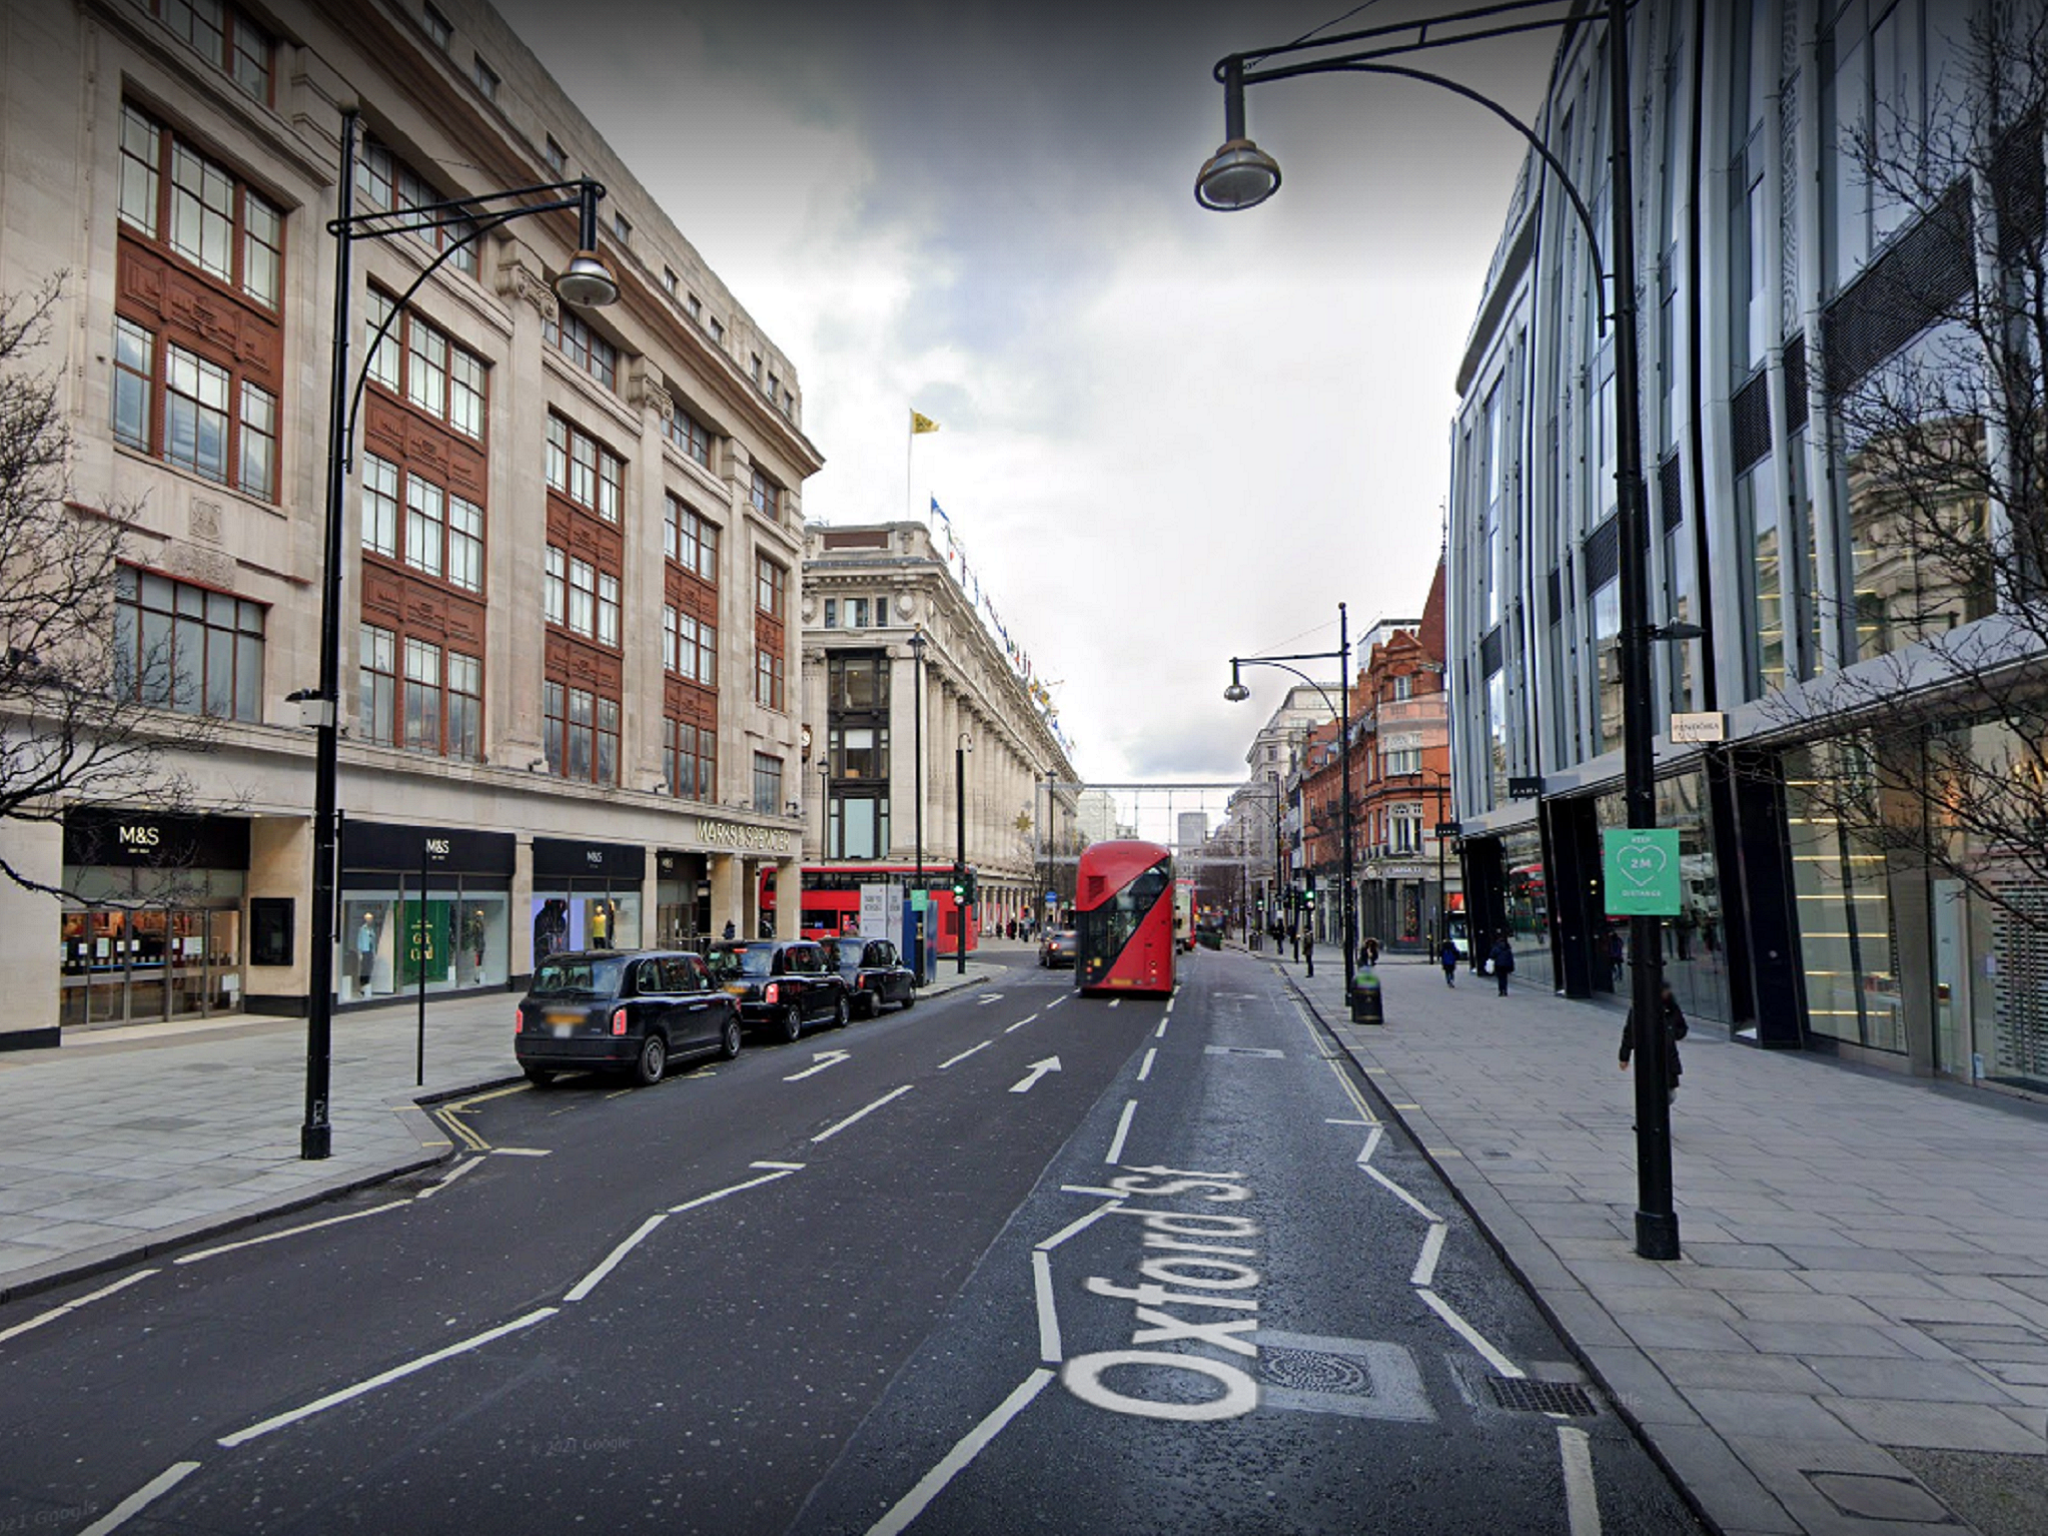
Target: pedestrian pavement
[[122, 1143], [1855, 1340]]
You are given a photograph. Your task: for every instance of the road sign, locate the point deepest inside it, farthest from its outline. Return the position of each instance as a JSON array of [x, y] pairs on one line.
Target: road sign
[[1641, 869]]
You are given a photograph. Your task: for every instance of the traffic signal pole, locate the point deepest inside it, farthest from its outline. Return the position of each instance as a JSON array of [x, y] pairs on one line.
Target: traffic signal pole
[[960, 845]]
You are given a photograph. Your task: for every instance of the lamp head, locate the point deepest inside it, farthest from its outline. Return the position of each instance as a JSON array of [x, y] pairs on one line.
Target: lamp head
[[587, 283], [1239, 175], [1236, 693]]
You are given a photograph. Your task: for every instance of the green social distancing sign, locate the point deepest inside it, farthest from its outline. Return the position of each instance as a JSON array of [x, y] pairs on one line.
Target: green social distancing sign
[[1641, 869]]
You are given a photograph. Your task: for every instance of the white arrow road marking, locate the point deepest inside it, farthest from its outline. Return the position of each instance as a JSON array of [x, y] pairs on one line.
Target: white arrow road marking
[[1038, 1070], [986, 999], [823, 1059]]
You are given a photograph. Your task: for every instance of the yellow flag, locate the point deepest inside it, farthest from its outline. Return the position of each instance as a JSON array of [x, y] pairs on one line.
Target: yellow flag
[[922, 423]]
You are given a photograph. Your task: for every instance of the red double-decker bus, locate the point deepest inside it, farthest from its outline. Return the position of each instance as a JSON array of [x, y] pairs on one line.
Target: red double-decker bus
[[831, 900], [1123, 918]]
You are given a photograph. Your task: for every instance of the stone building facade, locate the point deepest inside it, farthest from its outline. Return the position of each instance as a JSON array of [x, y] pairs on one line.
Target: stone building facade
[[868, 589], [572, 541]]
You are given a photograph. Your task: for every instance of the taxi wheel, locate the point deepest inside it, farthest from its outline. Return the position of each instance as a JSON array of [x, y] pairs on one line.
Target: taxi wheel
[[729, 1042], [651, 1062], [841, 1013], [910, 998], [793, 1023]]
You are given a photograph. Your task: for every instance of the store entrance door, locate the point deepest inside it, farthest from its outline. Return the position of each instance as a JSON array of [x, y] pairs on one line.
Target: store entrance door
[[1951, 981]]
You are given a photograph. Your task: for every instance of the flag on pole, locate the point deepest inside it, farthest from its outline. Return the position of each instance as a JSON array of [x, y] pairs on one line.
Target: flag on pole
[[919, 422]]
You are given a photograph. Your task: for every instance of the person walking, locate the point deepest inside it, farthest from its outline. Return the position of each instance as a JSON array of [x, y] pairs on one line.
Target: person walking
[[1308, 949], [1447, 957], [728, 928], [1617, 957], [1372, 953], [1674, 1031], [1501, 961]]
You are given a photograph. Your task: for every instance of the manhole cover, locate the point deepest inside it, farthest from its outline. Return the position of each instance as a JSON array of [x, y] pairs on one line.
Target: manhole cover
[[1309, 1370], [1526, 1396]]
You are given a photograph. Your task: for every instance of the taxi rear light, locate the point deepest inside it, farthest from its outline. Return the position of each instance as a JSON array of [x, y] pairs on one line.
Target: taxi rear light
[[772, 993], [519, 1021], [618, 1021]]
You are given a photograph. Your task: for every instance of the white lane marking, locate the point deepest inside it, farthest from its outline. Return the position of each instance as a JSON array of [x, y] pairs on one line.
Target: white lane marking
[[1080, 1223], [1145, 1070], [521, 1151], [1581, 1496], [141, 1498], [72, 1306], [1432, 1250], [397, 1372], [1058, 1000], [953, 1060], [1114, 1001], [1464, 1330], [1048, 1319], [271, 1237], [1038, 1069], [1171, 1001], [1019, 1024], [1331, 1120], [1372, 1145], [467, 1165], [612, 1260], [825, 1060], [1123, 1129], [913, 1503], [1402, 1195], [993, 997], [1160, 1032], [785, 1170], [859, 1114]]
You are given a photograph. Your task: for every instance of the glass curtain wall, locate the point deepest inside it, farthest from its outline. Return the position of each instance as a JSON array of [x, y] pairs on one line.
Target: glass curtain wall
[[1695, 942], [1525, 897], [1847, 939]]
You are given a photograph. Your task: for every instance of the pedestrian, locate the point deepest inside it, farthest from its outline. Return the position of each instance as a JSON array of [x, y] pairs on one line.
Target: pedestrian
[[730, 931], [1308, 949], [1674, 1031], [1617, 957], [1447, 957], [1501, 961], [1372, 953]]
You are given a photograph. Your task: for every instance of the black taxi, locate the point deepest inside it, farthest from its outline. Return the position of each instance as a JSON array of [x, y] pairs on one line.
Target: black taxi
[[873, 970], [781, 984], [613, 1008]]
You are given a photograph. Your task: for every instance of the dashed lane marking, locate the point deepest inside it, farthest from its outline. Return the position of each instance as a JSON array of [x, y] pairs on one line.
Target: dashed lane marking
[[1123, 1129], [1464, 1330], [1401, 1194], [1082, 1223], [271, 1237], [1115, 1002], [1581, 1498], [955, 1060], [1012, 1029], [1048, 1318], [616, 1257], [791, 1167], [72, 1306], [396, 1373], [1432, 1250], [522, 1151], [782, 1171], [141, 1498], [1058, 1000], [913, 1503], [1145, 1070], [1160, 1032], [861, 1114]]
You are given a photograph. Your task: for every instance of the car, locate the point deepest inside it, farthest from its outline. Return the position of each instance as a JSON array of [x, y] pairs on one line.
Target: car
[[613, 1009], [1056, 949], [874, 971], [781, 984]]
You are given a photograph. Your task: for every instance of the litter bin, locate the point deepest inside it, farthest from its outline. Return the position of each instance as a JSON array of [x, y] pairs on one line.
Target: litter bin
[[1365, 999]]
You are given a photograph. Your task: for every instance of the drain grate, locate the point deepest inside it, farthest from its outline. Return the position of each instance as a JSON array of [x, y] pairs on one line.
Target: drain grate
[[1525, 1396]]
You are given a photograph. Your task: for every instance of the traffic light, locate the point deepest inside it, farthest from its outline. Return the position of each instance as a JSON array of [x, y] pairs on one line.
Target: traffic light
[[1308, 897], [963, 887]]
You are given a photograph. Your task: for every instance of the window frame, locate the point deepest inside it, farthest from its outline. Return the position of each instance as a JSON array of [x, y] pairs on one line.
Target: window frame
[[145, 631]]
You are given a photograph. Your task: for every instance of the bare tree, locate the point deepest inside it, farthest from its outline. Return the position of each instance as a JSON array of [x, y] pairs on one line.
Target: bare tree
[[1933, 752], [72, 729]]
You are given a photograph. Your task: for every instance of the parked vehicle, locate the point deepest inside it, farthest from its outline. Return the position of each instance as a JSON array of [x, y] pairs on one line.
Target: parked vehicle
[[632, 1009], [1056, 949], [781, 984], [873, 971]]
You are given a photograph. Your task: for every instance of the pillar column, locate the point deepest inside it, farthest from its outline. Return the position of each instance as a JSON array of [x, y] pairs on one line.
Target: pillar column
[[789, 904], [728, 895]]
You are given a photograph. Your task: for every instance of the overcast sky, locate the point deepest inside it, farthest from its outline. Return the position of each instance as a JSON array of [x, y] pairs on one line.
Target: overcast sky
[[1167, 435]]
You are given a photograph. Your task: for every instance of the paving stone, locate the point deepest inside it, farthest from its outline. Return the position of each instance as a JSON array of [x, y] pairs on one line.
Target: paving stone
[[1792, 1307], [1937, 1426], [1767, 1415], [1656, 1331], [1803, 1339], [1740, 1371], [1730, 1493], [1909, 1380]]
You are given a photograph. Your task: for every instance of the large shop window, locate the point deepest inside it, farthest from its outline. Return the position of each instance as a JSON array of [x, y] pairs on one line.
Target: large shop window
[[585, 896], [1839, 879], [186, 648], [385, 182], [423, 905]]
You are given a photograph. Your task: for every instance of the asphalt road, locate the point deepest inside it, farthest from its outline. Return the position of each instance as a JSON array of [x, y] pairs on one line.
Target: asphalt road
[[930, 1284]]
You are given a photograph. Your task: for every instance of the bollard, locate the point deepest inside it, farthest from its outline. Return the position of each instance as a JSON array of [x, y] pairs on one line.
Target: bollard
[[1365, 999]]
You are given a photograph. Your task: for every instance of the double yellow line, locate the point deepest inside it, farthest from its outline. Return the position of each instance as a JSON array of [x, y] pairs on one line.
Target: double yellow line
[[448, 1115]]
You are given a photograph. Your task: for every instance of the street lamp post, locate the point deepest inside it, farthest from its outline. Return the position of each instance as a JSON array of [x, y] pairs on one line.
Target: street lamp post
[[1341, 708], [1240, 175], [585, 282], [961, 748]]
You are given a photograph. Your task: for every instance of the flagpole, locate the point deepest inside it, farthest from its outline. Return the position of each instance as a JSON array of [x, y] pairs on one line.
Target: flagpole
[[909, 447]]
